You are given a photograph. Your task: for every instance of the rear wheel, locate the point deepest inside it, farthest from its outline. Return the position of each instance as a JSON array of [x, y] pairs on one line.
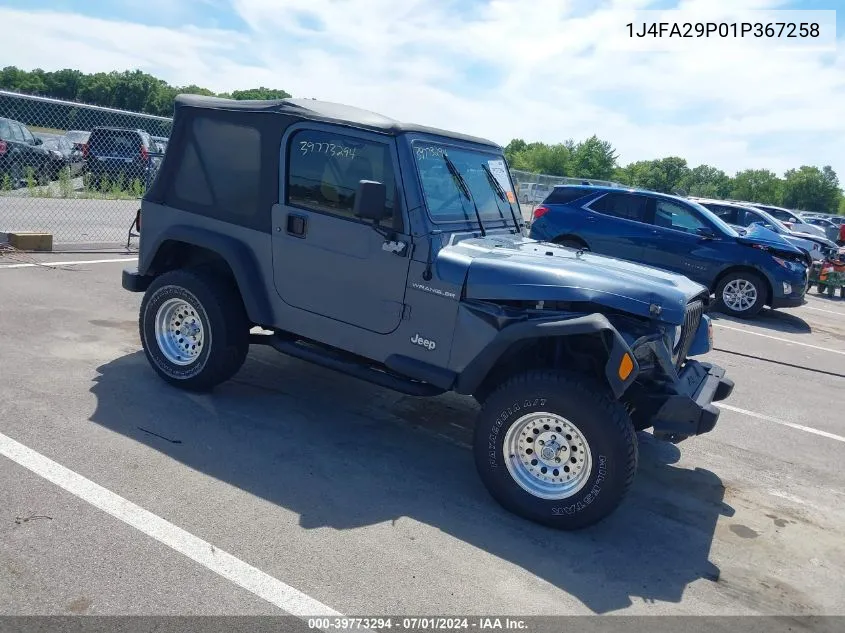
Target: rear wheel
[[741, 294], [194, 329], [555, 448]]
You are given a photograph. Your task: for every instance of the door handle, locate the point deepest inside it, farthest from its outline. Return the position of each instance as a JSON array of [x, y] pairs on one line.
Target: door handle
[[297, 225]]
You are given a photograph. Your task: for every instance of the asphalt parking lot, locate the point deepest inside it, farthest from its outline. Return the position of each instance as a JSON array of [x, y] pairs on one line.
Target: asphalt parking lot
[[298, 489]]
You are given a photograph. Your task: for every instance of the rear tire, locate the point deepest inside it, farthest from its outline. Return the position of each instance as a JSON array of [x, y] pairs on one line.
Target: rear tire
[[741, 294], [572, 418], [194, 328]]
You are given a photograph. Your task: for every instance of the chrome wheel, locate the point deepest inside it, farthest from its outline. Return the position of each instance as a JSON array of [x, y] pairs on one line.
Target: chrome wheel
[[179, 332], [739, 295], [547, 455]]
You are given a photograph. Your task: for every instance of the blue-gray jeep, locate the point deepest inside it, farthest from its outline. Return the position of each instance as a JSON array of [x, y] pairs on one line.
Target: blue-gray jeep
[[396, 253]]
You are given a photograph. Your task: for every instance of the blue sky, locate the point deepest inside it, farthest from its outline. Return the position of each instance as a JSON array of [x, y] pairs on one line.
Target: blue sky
[[541, 70]]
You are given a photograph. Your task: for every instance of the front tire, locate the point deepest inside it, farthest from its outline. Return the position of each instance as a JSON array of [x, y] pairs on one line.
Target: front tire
[[555, 448], [741, 294], [194, 328]]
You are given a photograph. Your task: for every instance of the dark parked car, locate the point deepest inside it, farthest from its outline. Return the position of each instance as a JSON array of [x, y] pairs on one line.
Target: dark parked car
[[394, 253], [21, 154], [62, 156], [746, 272], [120, 156]]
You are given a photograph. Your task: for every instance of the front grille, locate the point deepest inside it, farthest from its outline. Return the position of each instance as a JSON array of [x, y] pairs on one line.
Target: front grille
[[692, 317]]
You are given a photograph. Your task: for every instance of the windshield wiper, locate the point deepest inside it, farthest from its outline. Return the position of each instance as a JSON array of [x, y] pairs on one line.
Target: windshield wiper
[[500, 192], [462, 185]]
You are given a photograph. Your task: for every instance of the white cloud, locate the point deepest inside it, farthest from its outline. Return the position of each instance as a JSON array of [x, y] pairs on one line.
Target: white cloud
[[542, 70]]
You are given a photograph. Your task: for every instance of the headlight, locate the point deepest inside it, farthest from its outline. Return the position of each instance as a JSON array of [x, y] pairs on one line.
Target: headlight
[[789, 265]]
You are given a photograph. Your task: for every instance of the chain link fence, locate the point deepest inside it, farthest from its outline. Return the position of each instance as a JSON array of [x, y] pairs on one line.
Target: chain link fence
[[73, 170]]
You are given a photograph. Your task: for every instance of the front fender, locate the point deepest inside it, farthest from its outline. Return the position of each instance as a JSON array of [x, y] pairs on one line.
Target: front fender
[[476, 370]]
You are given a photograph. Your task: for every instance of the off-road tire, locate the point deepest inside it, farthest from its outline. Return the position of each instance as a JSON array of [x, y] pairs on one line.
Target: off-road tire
[[759, 285], [219, 306], [602, 421]]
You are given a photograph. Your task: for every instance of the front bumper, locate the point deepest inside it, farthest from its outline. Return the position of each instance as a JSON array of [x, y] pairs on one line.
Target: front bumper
[[690, 410], [788, 302]]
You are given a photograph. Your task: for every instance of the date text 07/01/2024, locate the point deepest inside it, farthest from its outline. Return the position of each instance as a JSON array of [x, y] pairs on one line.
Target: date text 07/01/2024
[[772, 30]]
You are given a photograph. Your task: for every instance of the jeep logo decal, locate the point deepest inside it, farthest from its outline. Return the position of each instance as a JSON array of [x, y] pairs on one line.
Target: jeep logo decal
[[416, 339]]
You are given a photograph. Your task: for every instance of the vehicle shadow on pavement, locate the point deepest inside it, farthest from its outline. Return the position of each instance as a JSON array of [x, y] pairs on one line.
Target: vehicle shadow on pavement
[[777, 320], [344, 454]]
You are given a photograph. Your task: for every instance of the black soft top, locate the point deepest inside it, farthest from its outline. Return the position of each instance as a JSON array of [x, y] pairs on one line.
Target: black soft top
[[326, 111]]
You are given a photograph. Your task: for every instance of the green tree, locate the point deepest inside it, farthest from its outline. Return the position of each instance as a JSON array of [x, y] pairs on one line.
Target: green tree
[[758, 185], [593, 158], [259, 93], [511, 149], [811, 189], [665, 175], [706, 182]]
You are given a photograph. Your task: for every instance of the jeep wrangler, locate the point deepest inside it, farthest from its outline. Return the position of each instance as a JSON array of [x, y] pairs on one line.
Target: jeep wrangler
[[397, 254]]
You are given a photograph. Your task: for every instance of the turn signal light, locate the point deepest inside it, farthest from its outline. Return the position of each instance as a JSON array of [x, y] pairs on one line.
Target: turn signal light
[[626, 366]]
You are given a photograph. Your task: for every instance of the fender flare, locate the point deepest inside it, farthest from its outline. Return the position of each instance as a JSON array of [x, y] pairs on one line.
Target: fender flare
[[475, 372], [241, 261]]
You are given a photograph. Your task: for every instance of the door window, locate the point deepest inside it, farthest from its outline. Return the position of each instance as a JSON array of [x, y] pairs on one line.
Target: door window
[[728, 214], [669, 215], [622, 205], [324, 169], [5, 130], [17, 133], [27, 135]]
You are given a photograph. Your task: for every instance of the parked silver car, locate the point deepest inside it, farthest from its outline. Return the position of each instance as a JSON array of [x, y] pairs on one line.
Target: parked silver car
[[742, 216]]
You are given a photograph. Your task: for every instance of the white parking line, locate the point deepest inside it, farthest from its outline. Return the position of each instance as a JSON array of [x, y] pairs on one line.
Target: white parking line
[[73, 263], [778, 338], [220, 562], [842, 314], [792, 425]]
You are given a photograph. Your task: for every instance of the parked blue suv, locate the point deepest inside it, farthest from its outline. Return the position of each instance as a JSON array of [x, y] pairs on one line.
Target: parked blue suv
[[746, 272]]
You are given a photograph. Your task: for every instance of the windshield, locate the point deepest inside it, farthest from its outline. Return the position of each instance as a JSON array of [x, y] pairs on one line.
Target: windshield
[[442, 191], [723, 226], [780, 227]]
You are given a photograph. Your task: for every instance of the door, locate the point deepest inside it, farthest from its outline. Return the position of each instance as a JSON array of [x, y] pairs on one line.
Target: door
[[674, 243], [616, 224], [326, 260], [20, 151]]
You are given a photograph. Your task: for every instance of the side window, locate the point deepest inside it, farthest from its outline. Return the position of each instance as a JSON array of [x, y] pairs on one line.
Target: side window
[[219, 172], [17, 133], [728, 214], [324, 169], [622, 205], [27, 135], [5, 130], [670, 215], [565, 195]]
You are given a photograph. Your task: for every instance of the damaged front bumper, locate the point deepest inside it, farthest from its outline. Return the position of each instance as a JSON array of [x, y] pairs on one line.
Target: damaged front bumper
[[690, 411]]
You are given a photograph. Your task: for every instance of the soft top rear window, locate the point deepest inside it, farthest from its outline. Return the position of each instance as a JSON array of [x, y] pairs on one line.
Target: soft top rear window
[[565, 195]]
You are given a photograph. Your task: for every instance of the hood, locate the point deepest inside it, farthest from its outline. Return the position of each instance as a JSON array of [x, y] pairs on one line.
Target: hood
[[759, 234], [515, 268], [815, 238]]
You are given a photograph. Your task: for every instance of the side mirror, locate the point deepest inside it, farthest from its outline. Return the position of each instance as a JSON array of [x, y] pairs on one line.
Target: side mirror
[[370, 201], [706, 232], [38, 141]]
